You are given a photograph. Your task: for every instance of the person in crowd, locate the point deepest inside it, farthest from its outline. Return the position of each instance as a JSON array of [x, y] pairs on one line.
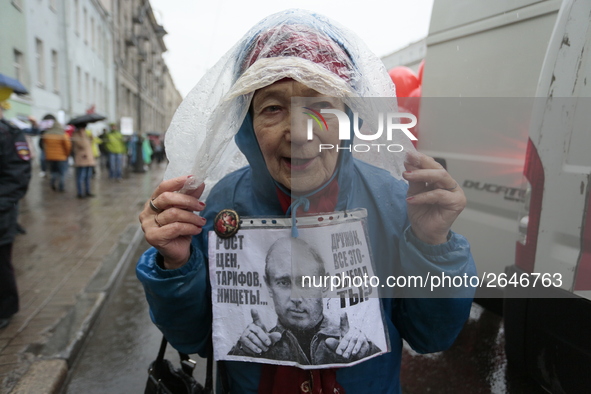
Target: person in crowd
[[139, 152], [248, 96], [96, 151], [84, 160], [15, 174], [147, 152], [117, 148], [104, 153], [158, 149], [42, 160], [29, 132], [57, 147]]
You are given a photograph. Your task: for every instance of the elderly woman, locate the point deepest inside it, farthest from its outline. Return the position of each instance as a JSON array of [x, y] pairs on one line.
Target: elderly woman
[[246, 99]]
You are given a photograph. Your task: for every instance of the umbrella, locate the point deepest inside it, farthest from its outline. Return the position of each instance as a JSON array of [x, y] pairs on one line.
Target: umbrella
[[20, 124], [13, 84], [85, 119]]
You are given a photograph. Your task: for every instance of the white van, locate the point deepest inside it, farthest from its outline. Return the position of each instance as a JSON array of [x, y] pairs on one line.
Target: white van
[[507, 108], [484, 55]]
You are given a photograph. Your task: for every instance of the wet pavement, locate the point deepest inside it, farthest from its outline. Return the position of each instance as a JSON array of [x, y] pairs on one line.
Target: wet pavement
[[475, 363], [65, 265], [123, 343]]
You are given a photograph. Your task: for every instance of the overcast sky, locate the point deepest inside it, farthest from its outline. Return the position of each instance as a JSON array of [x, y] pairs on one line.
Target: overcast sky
[[200, 32]]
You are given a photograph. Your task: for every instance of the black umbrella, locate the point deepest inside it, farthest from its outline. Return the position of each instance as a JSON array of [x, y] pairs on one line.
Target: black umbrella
[[85, 119], [13, 84]]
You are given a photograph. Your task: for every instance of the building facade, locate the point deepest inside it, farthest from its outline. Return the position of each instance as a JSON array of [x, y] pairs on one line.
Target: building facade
[[90, 65], [14, 55], [145, 91], [79, 56]]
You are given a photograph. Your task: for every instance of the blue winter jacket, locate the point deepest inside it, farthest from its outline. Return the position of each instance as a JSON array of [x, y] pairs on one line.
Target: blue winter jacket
[[180, 299]]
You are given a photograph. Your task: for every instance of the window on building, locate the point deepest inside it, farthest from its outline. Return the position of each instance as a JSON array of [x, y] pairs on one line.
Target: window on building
[[55, 71], [106, 97], [19, 64], [128, 101], [99, 42], [40, 62], [79, 84], [99, 95], [87, 86], [76, 18], [92, 43], [105, 45], [85, 25]]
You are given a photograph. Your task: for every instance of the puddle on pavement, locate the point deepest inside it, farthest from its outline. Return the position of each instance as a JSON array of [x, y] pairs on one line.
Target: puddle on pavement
[[475, 363]]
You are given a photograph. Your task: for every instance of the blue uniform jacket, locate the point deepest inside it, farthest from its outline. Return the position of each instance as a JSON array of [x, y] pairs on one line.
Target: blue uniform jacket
[[180, 299]]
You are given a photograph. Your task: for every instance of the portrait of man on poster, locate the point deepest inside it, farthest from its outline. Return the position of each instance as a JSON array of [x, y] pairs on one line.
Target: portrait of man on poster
[[303, 333]]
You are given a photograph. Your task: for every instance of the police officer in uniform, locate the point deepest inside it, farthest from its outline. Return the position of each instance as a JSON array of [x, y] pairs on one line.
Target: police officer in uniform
[[15, 173]]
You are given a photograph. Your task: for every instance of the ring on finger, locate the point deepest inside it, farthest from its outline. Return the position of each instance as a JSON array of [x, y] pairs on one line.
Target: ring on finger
[[450, 189], [156, 220], [154, 207]]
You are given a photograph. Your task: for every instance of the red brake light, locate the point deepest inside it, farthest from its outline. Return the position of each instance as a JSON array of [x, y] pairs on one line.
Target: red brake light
[[583, 277], [525, 253]]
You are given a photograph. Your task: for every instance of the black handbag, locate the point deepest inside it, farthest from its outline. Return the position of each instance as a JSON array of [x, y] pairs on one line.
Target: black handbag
[[164, 378]]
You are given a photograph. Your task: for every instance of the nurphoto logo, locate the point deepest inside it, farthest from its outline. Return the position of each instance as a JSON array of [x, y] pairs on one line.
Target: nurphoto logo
[[388, 123]]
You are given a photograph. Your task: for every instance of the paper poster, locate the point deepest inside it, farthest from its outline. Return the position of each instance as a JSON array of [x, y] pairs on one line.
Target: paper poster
[[126, 125], [276, 298]]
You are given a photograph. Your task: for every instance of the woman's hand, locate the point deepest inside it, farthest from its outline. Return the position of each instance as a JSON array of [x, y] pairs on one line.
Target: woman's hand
[[434, 198], [169, 223]]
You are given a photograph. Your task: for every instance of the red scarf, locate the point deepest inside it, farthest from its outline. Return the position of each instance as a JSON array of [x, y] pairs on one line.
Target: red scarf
[[280, 379], [323, 201]]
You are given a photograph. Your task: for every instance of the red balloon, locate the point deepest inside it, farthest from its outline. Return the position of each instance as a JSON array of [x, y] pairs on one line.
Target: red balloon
[[413, 101], [404, 79], [420, 73], [416, 92]]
